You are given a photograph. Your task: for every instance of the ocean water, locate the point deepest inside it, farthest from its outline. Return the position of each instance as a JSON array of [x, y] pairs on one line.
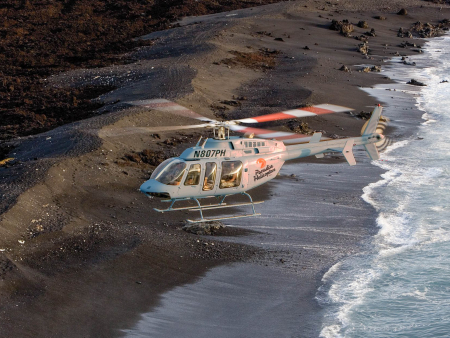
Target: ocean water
[[399, 286]]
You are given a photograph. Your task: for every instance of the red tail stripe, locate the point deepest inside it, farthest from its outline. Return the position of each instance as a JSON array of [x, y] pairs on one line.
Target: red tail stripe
[[317, 110], [257, 131], [284, 116], [272, 117]]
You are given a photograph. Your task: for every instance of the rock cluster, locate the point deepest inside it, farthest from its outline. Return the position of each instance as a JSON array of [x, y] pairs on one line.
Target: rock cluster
[[415, 83], [344, 27], [205, 228], [363, 48]]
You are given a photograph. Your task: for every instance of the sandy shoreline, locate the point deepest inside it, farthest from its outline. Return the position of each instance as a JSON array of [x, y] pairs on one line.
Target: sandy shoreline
[[96, 256]]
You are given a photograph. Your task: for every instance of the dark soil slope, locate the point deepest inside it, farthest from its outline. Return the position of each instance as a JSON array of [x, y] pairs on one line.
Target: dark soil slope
[[41, 38]]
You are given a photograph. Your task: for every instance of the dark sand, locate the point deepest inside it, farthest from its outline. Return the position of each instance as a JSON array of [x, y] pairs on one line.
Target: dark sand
[[84, 254]]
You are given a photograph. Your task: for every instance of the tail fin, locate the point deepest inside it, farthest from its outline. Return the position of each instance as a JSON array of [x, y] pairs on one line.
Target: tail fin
[[372, 124], [369, 128]]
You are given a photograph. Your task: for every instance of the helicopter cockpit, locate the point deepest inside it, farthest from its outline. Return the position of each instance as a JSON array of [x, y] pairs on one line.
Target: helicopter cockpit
[[170, 172]]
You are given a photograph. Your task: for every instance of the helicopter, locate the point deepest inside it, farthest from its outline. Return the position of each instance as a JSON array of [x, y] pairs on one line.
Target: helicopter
[[226, 165]]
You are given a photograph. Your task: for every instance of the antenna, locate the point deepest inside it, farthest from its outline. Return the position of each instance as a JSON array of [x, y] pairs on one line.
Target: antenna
[[198, 142], [203, 145]]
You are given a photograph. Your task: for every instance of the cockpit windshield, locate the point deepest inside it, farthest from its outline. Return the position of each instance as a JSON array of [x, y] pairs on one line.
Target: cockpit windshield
[[170, 172]]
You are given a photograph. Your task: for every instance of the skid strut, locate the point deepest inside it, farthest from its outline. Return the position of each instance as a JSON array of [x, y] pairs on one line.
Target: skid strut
[[219, 205]]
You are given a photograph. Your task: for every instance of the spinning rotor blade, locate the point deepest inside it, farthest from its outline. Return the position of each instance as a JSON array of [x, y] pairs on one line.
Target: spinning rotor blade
[[286, 137], [320, 109], [110, 132], [171, 107], [161, 105]]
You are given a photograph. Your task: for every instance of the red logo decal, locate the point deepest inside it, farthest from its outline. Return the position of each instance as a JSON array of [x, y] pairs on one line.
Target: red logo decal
[[262, 162]]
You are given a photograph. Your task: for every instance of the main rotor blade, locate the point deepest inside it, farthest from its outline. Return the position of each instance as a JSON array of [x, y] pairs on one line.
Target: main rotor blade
[[171, 107], [286, 137], [294, 113], [114, 132]]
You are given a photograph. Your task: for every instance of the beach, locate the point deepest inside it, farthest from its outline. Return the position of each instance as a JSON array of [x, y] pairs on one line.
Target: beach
[[83, 253]]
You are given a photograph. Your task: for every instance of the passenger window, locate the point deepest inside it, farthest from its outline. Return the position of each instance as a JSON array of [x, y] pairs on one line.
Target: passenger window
[[193, 176], [231, 174], [210, 176]]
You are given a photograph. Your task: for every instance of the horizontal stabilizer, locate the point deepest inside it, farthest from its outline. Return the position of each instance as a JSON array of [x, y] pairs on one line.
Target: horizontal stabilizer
[[372, 151], [315, 138], [348, 152]]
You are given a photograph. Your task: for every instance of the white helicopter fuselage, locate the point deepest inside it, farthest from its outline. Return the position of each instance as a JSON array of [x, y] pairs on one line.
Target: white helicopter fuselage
[[255, 161]]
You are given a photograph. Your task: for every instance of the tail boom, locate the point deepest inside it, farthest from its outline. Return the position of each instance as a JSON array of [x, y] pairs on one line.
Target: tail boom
[[345, 146]]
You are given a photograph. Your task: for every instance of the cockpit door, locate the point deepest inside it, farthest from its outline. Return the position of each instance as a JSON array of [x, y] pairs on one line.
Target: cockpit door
[[209, 183], [192, 180]]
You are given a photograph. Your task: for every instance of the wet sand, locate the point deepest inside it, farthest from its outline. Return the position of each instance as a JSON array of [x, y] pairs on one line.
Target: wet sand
[[84, 254]]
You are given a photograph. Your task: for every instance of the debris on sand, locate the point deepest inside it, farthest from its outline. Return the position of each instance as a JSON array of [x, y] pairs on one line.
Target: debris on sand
[[344, 27], [364, 115], [363, 48], [371, 33], [299, 126], [405, 44], [205, 228], [415, 83], [427, 30], [344, 68], [362, 38], [371, 69], [147, 156], [5, 161], [404, 33], [264, 33], [263, 59], [363, 24], [403, 11], [232, 103], [6, 265], [424, 30], [376, 69]]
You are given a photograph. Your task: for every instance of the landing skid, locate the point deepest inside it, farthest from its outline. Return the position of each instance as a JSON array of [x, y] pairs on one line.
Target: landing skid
[[220, 205]]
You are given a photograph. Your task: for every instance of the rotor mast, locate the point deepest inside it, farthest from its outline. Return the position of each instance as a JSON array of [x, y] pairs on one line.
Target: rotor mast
[[221, 132]]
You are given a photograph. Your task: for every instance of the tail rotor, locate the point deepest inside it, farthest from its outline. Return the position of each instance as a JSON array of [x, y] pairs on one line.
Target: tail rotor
[[380, 129]]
